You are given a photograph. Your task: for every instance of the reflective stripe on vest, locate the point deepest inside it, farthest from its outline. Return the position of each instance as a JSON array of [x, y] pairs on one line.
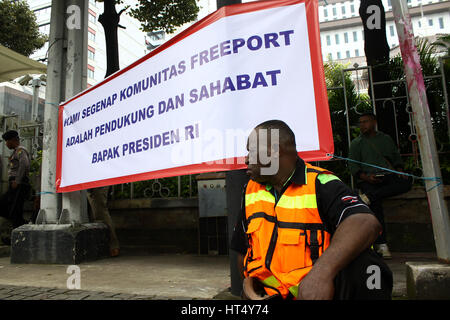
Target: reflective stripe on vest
[[274, 283], [285, 239]]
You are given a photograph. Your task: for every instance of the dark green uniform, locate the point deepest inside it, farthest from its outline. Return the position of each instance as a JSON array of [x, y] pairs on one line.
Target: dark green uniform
[[379, 150]]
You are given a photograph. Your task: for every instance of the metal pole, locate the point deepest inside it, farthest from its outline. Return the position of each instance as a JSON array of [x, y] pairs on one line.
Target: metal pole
[[427, 144], [36, 83], [372, 90], [49, 199], [444, 88], [76, 81], [347, 120]]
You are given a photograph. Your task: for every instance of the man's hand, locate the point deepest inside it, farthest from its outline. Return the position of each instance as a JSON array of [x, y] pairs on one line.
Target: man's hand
[[248, 290], [371, 178], [352, 236], [316, 286], [14, 184]]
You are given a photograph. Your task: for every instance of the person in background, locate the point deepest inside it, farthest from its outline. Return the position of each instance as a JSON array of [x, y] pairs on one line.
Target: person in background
[[376, 148], [18, 180]]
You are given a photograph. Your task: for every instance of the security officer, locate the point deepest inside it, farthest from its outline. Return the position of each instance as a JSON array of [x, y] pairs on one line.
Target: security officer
[[303, 234], [18, 180]]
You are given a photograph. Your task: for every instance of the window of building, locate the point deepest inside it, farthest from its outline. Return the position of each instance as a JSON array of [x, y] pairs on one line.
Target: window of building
[[352, 8], [91, 54], [430, 22], [43, 12], [328, 41], [356, 53], [92, 18], [91, 72], [343, 9], [346, 37], [347, 54], [330, 56], [156, 35], [325, 13], [441, 23], [338, 55], [336, 37], [334, 12], [91, 36], [391, 30], [355, 36], [420, 24], [45, 28], [389, 3]]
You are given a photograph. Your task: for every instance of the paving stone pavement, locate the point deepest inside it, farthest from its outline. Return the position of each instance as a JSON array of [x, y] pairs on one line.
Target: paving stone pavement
[[190, 278], [8, 292]]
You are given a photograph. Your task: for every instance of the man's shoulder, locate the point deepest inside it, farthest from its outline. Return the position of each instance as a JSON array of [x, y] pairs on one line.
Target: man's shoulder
[[382, 135], [356, 141], [325, 177], [21, 149]]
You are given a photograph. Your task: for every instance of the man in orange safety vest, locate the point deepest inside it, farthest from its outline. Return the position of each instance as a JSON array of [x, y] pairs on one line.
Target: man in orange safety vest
[[303, 234]]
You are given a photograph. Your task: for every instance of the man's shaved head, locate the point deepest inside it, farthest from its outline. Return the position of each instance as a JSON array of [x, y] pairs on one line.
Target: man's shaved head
[[287, 137]]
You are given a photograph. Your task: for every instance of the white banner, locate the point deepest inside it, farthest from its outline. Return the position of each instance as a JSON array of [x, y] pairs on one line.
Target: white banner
[[194, 100]]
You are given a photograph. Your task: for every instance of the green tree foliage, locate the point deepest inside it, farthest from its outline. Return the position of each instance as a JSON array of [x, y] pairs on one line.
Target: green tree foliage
[[335, 77], [154, 15], [19, 30], [436, 102], [444, 42], [164, 15]]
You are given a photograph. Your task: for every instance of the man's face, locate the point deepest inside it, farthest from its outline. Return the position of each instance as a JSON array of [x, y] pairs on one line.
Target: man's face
[[367, 124], [10, 144], [263, 157]]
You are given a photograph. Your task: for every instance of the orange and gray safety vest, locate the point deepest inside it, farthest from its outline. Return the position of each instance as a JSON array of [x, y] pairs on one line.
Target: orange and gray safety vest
[[285, 238]]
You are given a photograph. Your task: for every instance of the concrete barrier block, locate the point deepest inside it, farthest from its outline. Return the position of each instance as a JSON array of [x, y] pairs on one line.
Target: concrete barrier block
[[59, 244], [427, 281]]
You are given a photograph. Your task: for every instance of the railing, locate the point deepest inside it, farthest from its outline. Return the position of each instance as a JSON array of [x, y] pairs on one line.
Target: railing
[[173, 187]]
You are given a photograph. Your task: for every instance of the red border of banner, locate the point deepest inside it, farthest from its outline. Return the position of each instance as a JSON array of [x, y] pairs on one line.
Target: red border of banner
[[320, 92]]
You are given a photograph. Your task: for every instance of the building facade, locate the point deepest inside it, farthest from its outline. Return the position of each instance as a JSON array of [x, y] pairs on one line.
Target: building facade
[[341, 29]]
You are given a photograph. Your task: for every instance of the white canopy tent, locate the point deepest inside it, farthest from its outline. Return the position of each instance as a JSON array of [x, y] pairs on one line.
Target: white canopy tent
[[14, 65]]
